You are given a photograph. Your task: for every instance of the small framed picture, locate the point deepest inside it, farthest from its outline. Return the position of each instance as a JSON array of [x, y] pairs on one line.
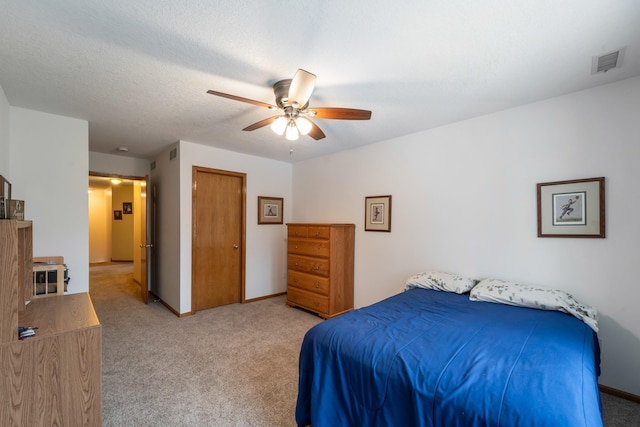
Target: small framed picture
[[571, 208], [270, 210], [5, 196], [117, 215], [377, 213], [127, 208]]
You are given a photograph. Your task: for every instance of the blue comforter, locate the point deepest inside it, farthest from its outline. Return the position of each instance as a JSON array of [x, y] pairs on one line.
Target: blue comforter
[[431, 358]]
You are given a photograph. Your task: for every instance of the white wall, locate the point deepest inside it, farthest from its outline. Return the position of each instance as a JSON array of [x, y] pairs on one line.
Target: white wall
[[265, 244], [464, 201], [100, 221], [110, 164], [49, 168], [4, 135]]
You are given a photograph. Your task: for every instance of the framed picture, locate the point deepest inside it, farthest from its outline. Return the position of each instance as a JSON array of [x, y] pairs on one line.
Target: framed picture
[[127, 208], [117, 215], [5, 196], [571, 208], [15, 209], [377, 213], [270, 210]]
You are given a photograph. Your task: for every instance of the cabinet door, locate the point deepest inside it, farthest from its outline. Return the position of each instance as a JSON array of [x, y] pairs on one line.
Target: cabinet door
[[9, 288]]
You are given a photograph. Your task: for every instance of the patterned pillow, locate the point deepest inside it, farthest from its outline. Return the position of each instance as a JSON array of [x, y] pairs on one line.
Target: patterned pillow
[[441, 282], [500, 291]]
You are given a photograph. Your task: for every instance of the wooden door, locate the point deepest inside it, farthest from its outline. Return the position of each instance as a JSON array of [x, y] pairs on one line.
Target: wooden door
[[147, 245], [218, 224]]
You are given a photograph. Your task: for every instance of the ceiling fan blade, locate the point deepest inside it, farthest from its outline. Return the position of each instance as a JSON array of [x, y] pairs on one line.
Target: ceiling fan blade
[[261, 123], [339, 113], [315, 132], [241, 99], [301, 87]]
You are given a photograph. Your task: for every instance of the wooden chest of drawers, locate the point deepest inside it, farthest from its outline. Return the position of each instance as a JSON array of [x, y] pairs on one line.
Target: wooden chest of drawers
[[320, 267]]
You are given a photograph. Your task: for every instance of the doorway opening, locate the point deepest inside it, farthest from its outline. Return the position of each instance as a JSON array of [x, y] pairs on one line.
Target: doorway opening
[[117, 223]]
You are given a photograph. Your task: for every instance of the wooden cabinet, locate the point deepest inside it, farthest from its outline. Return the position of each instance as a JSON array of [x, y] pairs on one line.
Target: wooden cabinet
[[54, 377], [320, 267], [15, 274]]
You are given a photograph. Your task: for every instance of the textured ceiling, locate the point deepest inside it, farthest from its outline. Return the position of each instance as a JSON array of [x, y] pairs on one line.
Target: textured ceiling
[[138, 71]]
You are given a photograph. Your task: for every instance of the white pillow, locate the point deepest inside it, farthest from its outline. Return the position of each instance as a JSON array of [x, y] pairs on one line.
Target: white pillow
[[441, 282], [500, 291]]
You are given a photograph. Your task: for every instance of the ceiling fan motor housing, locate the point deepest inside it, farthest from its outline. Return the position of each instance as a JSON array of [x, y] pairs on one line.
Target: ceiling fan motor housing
[[281, 90]]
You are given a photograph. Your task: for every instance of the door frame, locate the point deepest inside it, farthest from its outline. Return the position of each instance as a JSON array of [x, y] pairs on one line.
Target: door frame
[[243, 232]]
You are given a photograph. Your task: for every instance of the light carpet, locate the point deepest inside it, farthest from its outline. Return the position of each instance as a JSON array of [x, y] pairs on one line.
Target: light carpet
[[234, 365]]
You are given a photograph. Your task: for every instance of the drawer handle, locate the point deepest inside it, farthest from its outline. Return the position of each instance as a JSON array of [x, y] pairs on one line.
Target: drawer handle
[[296, 246], [296, 263], [317, 284], [316, 304], [316, 267], [295, 280], [317, 233]]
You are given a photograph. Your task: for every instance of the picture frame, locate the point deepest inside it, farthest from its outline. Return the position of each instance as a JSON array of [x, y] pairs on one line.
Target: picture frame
[[377, 213], [574, 208], [270, 210], [117, 215], [5, 197], [127, 208], [15, 209]]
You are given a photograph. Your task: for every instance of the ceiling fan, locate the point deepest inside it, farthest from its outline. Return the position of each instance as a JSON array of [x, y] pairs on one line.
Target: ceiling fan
[[294, 113]]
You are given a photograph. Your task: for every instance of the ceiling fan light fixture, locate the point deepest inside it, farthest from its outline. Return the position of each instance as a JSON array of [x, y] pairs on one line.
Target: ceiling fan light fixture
[[292, 131], [304, 125], [279, 125], [292, 101]]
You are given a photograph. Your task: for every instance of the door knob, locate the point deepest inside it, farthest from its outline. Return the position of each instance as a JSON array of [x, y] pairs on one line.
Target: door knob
[[143, 245], [235, 246]]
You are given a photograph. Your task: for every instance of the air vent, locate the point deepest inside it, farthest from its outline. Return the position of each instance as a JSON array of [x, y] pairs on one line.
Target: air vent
[[173, 154], [603, 63], [153, 165]]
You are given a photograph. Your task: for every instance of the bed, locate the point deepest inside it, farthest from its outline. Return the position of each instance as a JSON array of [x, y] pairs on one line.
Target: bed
[[428, 357]]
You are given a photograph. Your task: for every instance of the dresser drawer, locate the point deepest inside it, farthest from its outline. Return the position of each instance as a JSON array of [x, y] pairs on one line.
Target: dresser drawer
[[311, 247], [317, 266], [297, 231], [309, 300], [318, 232], [312, 231], [308, 281]]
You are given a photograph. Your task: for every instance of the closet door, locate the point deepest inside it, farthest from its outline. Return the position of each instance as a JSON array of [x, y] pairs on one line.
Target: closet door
[[218, 248]]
